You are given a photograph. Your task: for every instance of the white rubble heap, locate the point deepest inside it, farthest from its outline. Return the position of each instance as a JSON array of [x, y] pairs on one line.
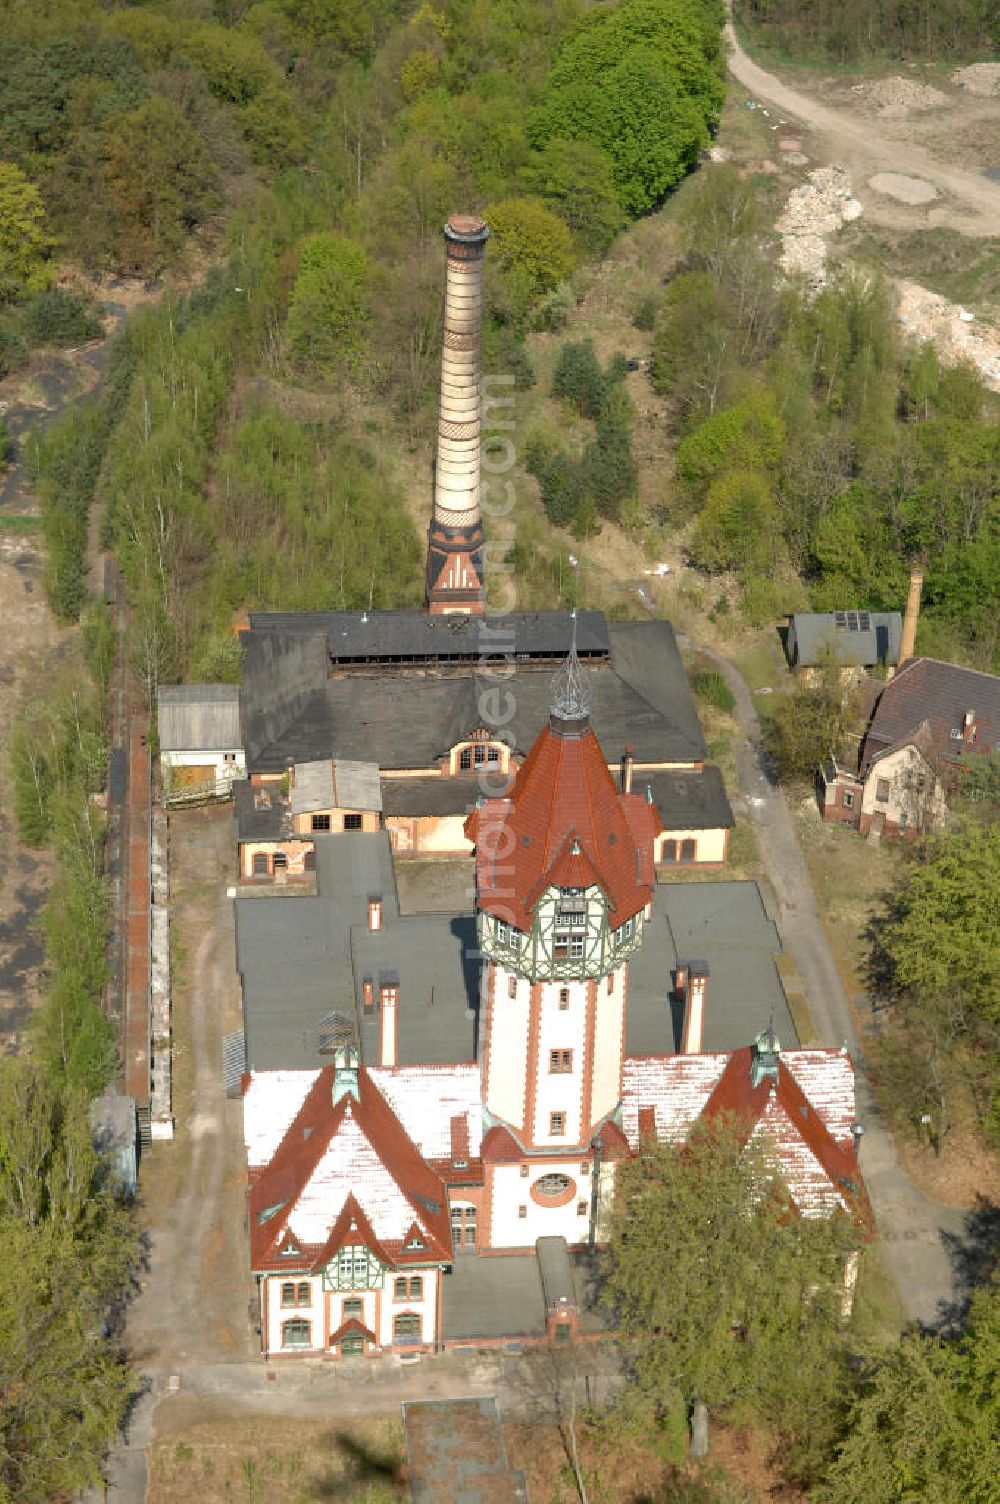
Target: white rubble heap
[[957, 333], [894, 98], [813, 213]]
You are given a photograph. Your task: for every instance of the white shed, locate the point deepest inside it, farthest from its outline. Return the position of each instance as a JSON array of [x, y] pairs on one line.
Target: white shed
[[199, 731]]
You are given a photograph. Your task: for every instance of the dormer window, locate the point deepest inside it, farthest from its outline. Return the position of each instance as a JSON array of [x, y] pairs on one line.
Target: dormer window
[[572, 907], [514, 938], [501, 932]]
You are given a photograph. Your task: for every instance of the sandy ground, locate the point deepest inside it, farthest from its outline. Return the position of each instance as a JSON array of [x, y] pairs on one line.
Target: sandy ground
[[194, 1301], [950, 145]]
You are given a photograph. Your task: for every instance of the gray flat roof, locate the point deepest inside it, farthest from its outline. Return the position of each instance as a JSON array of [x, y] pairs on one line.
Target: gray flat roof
[[302, 958], [198, 717], [724, 922], [292, 711], [294, 952], [690, 799], [358, 637], [854, 637], [504, 1297], [260, 818], [455, 1454]]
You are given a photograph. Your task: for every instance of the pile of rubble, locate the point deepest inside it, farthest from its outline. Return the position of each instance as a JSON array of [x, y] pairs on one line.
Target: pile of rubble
[[957, 333], [979, 78], [814, 212], [896, 97]]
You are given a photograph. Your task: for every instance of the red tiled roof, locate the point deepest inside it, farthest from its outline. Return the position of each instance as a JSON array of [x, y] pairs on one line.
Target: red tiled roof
[[927, 692], [819, 1171], [564, 824], [370, 1121], [500, 1146]]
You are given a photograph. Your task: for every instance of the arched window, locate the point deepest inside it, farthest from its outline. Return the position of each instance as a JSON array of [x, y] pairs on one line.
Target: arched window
[[288, 1295], [465, 759], [688, 850], [261, 864], [297, 1333], [668, 852], [406, 1329], [304, 1294]]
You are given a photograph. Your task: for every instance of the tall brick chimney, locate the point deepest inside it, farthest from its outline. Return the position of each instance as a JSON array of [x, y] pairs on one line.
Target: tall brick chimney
[[908, 640], [455, 539]]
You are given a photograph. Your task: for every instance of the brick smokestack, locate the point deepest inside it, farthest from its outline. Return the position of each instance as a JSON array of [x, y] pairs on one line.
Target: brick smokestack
[[908, 641], [455, 539]]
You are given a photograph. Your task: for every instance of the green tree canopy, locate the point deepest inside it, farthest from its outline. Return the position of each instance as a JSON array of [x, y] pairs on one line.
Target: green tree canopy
[[328, 306], [747, 436], [532, 244], [737, 528], [642, 82], [728, 1296], [576, 179], [68, 1251], [161, 182], [23, 239], [945, 933], [810, 722], [926, 1426]]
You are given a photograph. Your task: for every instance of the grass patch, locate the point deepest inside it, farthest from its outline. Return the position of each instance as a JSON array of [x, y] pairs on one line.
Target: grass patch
[[959, 267], [709, 685], [759, 666], [264, 1458], [20, 522], [849, 876]]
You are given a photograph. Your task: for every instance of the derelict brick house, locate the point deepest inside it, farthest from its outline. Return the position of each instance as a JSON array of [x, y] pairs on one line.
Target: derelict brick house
[[926, 725]]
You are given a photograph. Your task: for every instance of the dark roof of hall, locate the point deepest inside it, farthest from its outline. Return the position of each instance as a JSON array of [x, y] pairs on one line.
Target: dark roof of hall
[[292, 710], [367, 636]]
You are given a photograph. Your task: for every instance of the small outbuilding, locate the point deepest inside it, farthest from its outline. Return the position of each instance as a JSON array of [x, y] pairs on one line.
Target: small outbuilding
[[854, 639], [199, 733]]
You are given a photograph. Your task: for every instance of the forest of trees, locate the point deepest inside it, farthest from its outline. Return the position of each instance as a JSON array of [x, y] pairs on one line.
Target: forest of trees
[[814, 442], [845, 31]]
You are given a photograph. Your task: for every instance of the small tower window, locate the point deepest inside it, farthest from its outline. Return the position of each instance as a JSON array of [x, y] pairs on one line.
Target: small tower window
[[560, 1062], [611, 982], [512, 986], [557, 1124], [564, 998]]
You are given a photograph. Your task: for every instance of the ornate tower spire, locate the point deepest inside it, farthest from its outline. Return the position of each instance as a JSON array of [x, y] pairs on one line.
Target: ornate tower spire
[[569, 708], [455, 538]]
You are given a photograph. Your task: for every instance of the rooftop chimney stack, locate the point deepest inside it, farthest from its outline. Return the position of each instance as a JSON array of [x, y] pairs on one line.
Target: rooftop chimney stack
[[908, 641], [628, 759], [455, 538]]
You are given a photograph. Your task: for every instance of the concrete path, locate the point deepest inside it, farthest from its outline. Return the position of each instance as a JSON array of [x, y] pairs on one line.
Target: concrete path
[[916, 1231], [866, 147]]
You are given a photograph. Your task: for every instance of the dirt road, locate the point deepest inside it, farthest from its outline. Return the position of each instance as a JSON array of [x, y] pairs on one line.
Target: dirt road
[[866, 147]]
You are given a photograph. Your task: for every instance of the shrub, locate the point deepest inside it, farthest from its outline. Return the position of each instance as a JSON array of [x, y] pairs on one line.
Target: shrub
[[58, 317], [710, 686]]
